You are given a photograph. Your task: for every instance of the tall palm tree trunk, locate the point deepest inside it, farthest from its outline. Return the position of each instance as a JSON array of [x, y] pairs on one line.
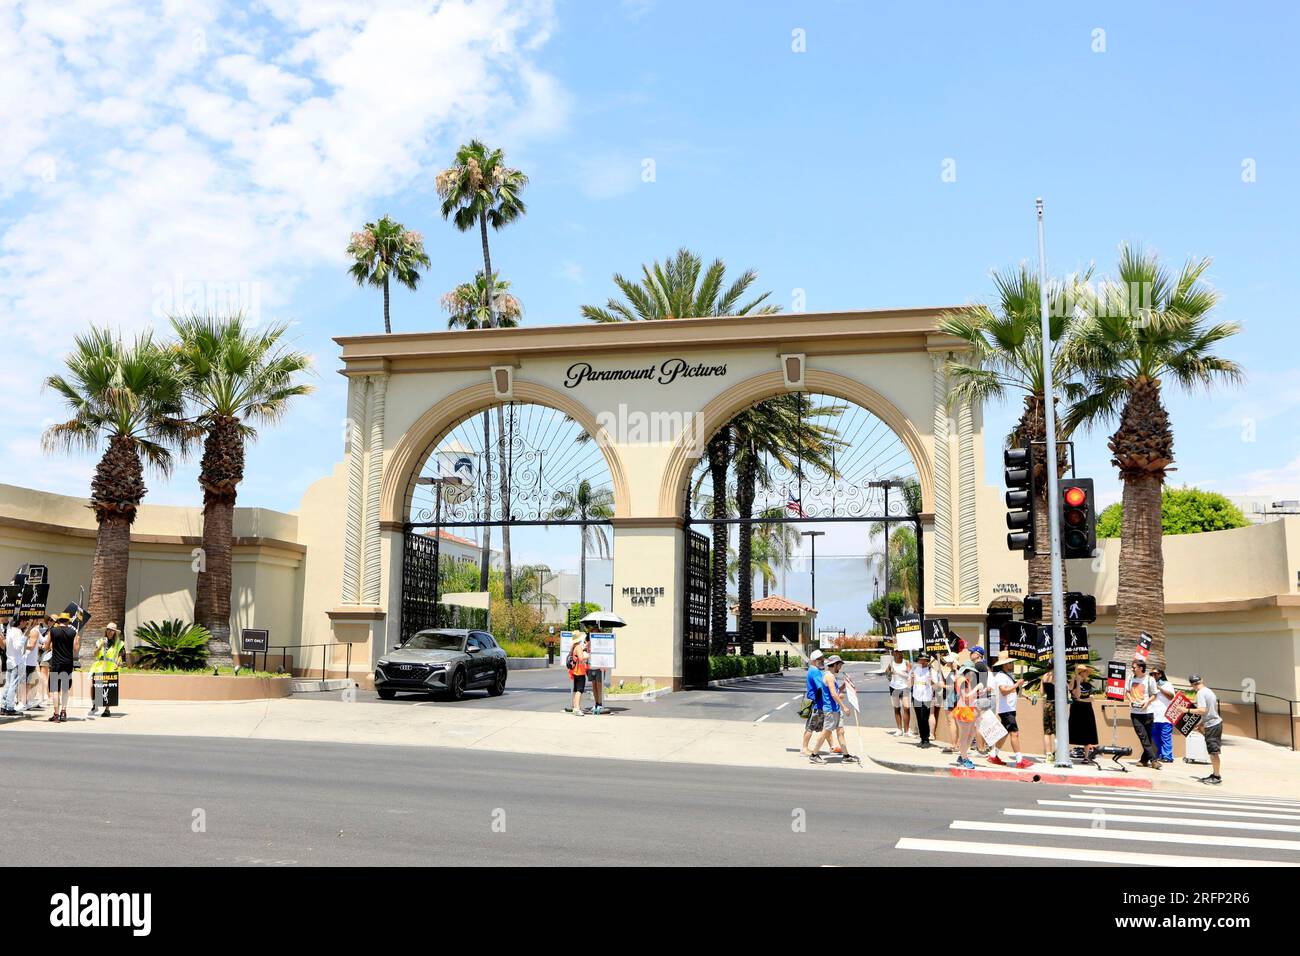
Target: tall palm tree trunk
[[220, 472], [745, 487], [115, 494], [484, 561], [388, 326], [1143, 448], [717, 450]]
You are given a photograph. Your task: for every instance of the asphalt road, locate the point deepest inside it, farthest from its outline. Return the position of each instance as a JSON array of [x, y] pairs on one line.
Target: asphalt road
[[773, 699]]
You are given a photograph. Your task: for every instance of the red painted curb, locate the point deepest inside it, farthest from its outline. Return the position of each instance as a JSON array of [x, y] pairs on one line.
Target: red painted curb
[[1030, 776]]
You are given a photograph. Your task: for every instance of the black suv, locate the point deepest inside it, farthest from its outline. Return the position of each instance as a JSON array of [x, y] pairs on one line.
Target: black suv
[[443, 660]]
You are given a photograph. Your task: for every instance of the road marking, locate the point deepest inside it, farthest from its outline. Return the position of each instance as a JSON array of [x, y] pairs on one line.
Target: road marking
[[1189, 810], [1080, 856], [1196, 798], [1155, 800], [763, 718], [1139, 836], [1167, 821], [783, 706]]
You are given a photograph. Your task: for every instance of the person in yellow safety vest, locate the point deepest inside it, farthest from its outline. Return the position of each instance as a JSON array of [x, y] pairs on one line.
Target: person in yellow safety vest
[[109, 653]]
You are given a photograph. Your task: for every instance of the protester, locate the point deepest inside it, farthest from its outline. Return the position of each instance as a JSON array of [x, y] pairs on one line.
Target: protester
[[964, 713], [948, 689], [577, 665], [37, 645], [1211, 726], [814, 693], [1162, 731], [108, 660], [65, 645], [898, 668], [1083, 722], [921, 682], [15, 665], [981, 679], [1005, 688], [832, 710], [1141, 695], [1047, 688]]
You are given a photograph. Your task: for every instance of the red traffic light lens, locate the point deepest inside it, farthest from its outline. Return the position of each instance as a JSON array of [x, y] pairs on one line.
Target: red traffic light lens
[[1075, 496]]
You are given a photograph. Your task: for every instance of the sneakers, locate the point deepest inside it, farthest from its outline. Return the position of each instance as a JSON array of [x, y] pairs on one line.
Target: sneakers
[[995, 759], [815, 758], [925, 745], [1213, 779], [965, 763], [1025, 763], [895, 732]]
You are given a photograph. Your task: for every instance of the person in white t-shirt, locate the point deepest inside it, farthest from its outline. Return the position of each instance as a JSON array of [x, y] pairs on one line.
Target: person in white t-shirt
[[1141, 695], [1211, 726], [899, 671], [922, 686], [1162, 731], [15, 665], [1006, 691]]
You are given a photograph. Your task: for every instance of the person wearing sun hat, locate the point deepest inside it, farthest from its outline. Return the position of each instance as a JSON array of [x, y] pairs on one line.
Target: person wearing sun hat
[[109, 650], [964, 713], [65, 644], [1005, 690]]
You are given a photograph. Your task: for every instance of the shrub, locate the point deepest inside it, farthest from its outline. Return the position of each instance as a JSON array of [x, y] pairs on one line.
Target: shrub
[[734, 665], [522, 648], [1182, 511], [171, 645]]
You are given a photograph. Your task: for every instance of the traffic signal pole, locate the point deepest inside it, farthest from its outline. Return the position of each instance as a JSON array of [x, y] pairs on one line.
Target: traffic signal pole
[[1053, 512]]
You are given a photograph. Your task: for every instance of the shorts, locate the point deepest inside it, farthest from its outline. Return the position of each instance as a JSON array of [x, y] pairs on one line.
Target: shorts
[[579, 683], [1009, 722], [815, 720], [60, 680], [832, 719], [950, 700], [1213, 738], [902, 697], [31, 669]]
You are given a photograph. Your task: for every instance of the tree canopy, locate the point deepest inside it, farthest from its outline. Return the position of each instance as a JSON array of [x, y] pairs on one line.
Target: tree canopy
[[1182, 511]]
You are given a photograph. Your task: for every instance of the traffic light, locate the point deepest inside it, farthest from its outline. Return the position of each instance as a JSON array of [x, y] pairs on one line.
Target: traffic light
[[1078, 519], [1080, 608], [1032, 608], [1019, 476]]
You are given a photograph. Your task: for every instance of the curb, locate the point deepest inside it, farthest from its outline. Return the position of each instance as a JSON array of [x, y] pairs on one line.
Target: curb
[[644, 695], [526, 663], [316, 686], [1018, 776], [723, 682]]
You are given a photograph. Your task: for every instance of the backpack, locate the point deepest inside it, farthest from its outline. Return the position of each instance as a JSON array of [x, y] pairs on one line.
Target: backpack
[[569, 662]]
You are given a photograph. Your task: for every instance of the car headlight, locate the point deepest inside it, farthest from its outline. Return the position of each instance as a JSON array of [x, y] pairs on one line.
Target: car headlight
[[382, 663]]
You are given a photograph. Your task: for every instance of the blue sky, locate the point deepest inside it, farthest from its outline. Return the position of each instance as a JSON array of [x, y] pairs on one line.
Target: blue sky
[[236, 146]]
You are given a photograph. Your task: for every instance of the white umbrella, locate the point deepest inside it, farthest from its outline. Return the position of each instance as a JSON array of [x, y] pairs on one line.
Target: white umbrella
[[603, 619]]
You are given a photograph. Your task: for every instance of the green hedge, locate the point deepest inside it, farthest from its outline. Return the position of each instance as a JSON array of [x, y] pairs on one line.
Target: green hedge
[[733, 665]]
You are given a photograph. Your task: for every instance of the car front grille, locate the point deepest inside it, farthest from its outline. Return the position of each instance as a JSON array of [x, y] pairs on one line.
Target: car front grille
[[416, 673]]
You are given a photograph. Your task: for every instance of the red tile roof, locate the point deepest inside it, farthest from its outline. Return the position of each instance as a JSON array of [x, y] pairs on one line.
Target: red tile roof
[[776, 604], [445, 535]]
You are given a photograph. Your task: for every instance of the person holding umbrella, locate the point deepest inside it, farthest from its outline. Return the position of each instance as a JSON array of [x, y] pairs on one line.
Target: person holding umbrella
[[595, 623]]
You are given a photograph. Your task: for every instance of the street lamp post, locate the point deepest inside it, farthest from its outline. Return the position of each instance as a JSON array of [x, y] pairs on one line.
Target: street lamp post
[[886, 484], [542, 571], [812, 536], [438, 481]]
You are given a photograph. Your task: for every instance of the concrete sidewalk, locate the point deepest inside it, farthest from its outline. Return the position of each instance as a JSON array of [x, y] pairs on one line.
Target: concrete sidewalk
[[1250, 768]]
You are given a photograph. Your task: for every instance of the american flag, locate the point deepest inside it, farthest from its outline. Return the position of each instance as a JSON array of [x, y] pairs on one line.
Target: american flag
[[794, 505]]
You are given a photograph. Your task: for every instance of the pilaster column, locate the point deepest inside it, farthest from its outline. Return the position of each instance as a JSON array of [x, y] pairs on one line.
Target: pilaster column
[[352, 529], [967, 536], [372, 564], [943, 559]]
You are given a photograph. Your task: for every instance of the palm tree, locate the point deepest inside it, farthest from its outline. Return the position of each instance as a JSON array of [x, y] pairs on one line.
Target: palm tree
[[131, 398], [384, 250], [467, 305], [782, 430], [479, 189], [586, 504], [1126, 351], [776, 539], [237, 376], [1004, 358], [680, 287], [910, 488]]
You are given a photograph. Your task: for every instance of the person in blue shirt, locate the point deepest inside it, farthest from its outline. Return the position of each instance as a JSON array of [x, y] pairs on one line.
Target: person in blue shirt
[[814, 690], [832, 711]]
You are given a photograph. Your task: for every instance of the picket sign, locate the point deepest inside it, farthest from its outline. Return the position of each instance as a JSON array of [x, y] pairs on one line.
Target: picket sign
[[990, 728]]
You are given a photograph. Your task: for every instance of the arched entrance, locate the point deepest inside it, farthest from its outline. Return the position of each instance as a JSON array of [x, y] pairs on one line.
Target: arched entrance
[[782, 471], [486, 505]]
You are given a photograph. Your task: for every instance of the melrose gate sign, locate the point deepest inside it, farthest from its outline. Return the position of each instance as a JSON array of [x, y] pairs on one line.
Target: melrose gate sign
[[522, 405]]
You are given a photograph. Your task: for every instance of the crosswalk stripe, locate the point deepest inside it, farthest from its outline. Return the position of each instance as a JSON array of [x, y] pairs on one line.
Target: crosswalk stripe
[[1195, 797], [1207, 802], [1139, 836], [1077, 855], [1161, 809], [1166, 821]]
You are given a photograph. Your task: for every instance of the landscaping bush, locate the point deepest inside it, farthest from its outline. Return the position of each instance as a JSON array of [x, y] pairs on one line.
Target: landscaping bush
[[734, 665], [522, 648], [171, 645]]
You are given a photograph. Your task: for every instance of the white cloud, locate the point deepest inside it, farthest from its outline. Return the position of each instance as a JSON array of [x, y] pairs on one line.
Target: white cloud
[[149, 148]]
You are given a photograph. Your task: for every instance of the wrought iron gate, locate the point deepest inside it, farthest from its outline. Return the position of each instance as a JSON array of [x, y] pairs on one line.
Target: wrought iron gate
[[419, 582], [695, 627]]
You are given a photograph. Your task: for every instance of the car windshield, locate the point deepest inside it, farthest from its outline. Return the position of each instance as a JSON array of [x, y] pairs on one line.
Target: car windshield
[[436, 641]]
